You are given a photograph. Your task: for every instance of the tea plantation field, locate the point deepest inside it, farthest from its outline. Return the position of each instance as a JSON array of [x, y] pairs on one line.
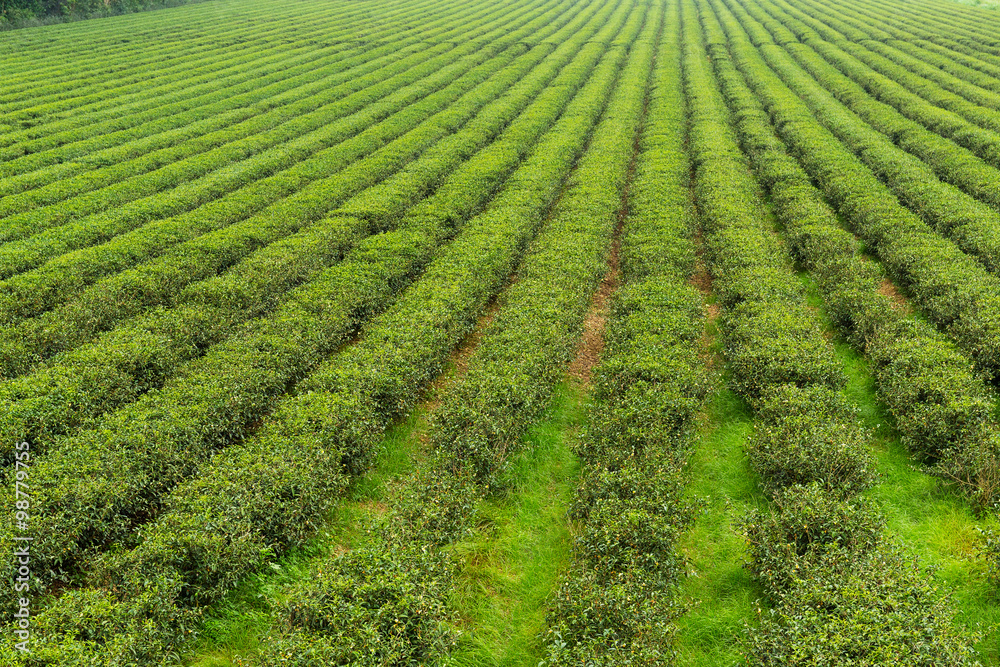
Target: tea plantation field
[[528, 332]]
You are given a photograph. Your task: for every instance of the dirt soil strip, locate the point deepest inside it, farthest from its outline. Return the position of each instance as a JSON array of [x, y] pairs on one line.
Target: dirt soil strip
[[588, 353], [889, 289], [702, 280]]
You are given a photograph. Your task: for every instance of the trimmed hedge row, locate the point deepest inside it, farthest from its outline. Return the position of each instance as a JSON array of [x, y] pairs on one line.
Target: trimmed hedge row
[[843, 590], [942, 409], [306, 86], [933, 34], [217, 397], [950, 162], [615, 603], [159, 51], [905, 72], [438, 508], [525, 349], [779, 360], [203, 106], [936, 34], [806, 551], [44, 142], [89, 166], [321, 187], [39, 235], [257, 498], [951, 71], [58, 42], [63, 84], [947, 24], [251, 162]]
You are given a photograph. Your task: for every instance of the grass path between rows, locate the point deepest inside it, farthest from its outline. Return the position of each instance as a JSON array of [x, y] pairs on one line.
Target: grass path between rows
[[239, 625], [718, 588], [521, 546]]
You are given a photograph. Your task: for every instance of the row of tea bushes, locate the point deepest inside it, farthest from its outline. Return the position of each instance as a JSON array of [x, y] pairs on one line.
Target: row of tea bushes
[[440, 506], [64, 142], [907, 78], [140, 355], [272, 157], [301, 194], [950, 287], [902, 152], [615, 604], [214, 399]]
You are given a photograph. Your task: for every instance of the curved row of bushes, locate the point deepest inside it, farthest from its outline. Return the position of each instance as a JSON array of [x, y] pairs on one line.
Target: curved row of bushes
[[520, 356], [273, 143], [966, 25], [233, 171], [942, 408], [952, 73], [835, 69], [139, 355], [950, 287], [30, 13], [839, 588], [47, 68], [62, 145], [304, 193], [282, 203], [58, 148], [924, 81], [30, 145], [133, 457], [974, 40], [90, 177], [893, 147], [297, 89], [930, 39], [257, 498], [615, 604], [52, 61], [833, 64]]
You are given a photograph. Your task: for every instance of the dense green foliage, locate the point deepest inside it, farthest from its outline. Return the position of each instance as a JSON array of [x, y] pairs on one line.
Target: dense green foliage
[[239, 241], [19, 13], [615, 603]]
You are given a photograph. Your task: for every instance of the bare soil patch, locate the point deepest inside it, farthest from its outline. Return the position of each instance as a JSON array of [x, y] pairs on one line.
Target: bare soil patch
[[588, 353]]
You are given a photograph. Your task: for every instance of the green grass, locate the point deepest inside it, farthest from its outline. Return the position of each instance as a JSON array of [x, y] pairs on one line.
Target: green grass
[[982, 4], [724, 598], [934, 523], [522, 542], [521, 545], [720, 587]]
